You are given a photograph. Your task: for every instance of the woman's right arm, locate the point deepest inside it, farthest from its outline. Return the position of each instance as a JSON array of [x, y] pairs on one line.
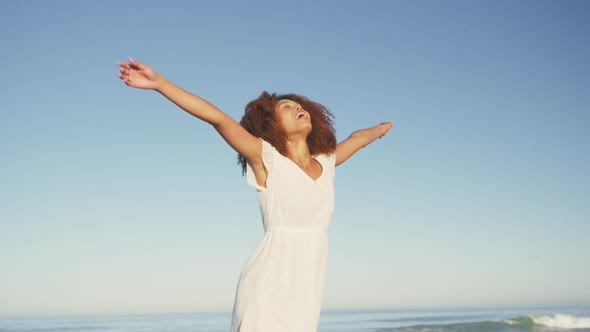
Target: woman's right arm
[[140, 75]]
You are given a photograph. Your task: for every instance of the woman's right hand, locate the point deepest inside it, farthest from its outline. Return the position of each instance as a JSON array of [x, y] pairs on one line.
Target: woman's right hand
[[138, 75]]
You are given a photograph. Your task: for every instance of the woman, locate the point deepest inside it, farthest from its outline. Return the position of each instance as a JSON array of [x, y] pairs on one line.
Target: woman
[[287, 148]]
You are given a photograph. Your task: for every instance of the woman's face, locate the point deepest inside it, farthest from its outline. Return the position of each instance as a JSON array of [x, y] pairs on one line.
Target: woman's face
[[294, 119]]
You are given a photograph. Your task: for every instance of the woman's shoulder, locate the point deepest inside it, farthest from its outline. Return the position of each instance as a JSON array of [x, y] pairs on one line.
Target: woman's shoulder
[[326, 158]]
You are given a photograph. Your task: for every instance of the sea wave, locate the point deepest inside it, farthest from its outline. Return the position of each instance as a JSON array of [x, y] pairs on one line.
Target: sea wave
[[522, 323], [562, 321]]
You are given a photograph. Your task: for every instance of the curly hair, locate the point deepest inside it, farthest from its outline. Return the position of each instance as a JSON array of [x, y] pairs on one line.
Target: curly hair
[[261, 121]]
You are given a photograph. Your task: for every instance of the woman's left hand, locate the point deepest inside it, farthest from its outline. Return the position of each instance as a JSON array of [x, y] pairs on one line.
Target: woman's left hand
[[385, 126]]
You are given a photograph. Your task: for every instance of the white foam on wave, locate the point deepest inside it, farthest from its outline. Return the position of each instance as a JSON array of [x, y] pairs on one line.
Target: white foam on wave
[[510, 322], [562, 321]]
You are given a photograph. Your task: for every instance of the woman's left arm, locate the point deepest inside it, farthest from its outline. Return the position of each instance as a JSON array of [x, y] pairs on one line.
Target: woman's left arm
[[358, 140]]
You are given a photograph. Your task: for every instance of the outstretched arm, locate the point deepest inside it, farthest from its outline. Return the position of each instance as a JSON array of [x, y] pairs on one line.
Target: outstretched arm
[[358, 140], [140, 75]]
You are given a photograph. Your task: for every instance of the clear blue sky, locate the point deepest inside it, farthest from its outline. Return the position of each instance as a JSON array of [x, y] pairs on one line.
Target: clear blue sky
[[114, 200]]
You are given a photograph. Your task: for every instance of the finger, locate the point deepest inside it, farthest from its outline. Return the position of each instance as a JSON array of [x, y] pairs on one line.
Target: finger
[[135, 63], [123, 64], [125, 78]]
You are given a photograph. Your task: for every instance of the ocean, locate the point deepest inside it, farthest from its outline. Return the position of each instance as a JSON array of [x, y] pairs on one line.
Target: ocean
[[472, 319]]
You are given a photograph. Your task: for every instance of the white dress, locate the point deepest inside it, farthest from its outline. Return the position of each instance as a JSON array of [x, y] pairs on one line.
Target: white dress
[[281, 285]]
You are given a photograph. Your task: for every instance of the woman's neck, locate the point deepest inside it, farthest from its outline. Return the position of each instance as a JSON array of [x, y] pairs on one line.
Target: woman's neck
[[298, 152]]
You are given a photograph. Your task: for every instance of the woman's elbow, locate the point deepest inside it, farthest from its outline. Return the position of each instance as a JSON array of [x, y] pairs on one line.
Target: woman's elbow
[[360, 138]]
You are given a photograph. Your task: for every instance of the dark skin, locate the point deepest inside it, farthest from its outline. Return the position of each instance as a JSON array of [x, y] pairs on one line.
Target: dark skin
[[294, 119]]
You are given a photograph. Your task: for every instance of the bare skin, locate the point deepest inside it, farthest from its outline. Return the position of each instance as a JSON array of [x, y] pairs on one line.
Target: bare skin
[[294, 119]]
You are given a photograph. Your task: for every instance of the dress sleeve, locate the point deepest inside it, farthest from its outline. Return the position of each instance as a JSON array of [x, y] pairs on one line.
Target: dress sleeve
[[331, 159], [268, 153], [330, 162]]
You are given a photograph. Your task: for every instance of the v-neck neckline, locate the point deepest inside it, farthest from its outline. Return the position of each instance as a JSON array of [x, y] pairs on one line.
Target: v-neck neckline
[[305, 173]]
